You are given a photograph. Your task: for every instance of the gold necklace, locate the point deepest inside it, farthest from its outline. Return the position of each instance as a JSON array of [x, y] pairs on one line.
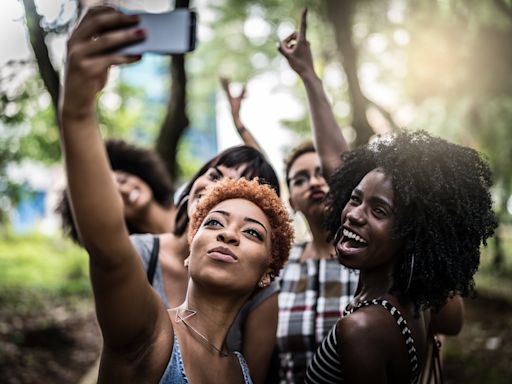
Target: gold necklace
[[182, 319]]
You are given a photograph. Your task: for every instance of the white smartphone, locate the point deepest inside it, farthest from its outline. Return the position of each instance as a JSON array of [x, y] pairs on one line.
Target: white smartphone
[[167, 33]]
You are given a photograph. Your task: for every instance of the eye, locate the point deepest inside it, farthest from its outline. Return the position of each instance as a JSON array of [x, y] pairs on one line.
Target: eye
[[254, 233], [212, 223], [299, 181], [214, 175], [354, 199]]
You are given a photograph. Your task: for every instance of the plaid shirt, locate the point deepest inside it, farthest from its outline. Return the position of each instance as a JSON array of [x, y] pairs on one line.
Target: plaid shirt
[[312, 298]]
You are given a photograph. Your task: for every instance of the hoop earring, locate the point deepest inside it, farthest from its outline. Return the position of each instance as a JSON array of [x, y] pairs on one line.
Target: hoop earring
[[337, 236], [410, 273]]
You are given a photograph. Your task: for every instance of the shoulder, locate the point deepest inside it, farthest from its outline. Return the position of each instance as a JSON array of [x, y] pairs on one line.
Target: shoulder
[[368, 327]]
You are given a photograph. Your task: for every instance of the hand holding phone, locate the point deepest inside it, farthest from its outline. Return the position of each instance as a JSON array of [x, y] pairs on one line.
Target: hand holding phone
[[167, 33]]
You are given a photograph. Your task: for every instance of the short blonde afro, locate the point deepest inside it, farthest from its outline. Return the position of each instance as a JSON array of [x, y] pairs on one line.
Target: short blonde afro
[[261, 195]]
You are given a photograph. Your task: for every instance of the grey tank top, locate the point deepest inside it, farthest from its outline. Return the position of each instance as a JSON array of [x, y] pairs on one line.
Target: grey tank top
[[234, 341]]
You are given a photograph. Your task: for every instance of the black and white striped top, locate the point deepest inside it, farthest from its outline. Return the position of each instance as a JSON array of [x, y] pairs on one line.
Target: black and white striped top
[[325, 367]]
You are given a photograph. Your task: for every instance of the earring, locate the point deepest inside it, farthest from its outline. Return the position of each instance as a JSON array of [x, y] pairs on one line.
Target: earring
[[186, 262], [337, 236], [410, 273], [261, 284]]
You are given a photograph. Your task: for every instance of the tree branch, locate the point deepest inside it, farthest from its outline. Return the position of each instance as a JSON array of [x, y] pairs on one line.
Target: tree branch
[[504, 7], [48, 73]]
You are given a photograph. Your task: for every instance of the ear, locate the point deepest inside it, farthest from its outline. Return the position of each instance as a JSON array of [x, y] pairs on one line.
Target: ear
[[267, 278]]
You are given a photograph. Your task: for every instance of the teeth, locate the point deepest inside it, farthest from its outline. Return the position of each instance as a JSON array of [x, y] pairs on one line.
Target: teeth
[[353, 236], [134, 195]]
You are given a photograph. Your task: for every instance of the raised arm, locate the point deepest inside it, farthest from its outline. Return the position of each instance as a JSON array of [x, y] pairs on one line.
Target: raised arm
[[327, 135], [127, 308], [235, 104]]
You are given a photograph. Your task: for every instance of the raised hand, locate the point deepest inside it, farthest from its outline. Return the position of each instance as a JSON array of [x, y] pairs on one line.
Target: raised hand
[[295, 48], [235, 102], [91, 51]]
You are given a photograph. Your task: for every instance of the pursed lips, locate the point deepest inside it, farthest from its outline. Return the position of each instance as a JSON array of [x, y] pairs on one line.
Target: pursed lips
[[223, 254]]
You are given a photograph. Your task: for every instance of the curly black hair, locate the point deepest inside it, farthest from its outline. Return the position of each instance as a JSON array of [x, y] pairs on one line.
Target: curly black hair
[[256, 166], [141, 162], [443, 210]]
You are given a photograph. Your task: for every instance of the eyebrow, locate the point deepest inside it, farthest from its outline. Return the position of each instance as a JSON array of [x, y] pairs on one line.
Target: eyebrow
[[248, 219], [301, 172], [218, 170]]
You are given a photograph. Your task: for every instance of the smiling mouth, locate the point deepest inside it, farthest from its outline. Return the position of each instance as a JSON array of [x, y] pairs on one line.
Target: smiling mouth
[[351, 240], [133, 196]]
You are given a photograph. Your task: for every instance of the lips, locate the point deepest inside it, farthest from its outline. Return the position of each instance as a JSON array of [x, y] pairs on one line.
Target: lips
[[350, 243], [317, 195], [223, 254]]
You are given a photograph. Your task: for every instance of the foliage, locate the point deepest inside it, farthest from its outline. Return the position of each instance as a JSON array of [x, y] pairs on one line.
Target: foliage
[[49, 264]]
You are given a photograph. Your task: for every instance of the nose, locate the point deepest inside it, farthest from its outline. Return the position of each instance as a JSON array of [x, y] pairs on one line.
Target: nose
[[228, 236], [356, 215], [316, 180]]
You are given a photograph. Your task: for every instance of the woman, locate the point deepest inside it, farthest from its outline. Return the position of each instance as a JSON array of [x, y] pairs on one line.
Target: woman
[[410, 212], [138, 334], [170, 251], [315, 288], [91, 51], [144, 186]]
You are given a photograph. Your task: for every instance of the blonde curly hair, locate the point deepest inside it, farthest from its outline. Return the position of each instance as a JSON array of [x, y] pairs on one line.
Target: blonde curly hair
[[261, 195]]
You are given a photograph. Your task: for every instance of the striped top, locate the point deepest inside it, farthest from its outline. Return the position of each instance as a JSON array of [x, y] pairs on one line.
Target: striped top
[[312, 298], [325, 367]]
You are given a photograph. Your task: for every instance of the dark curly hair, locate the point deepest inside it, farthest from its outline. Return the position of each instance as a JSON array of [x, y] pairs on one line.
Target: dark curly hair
[[141, 162], [257, 166], [443, 210], [265, 198]]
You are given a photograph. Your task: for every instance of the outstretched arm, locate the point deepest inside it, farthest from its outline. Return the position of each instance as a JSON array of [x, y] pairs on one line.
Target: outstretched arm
[[127, 308], [329, 140], [235, 103]]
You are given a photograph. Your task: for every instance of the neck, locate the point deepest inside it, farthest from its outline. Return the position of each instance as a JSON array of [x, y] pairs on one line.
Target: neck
[[156, 219], [374, 283], [215, 313], [320, 248]]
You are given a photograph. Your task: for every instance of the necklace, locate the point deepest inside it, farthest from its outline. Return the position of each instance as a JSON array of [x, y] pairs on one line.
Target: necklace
[[188, 313]]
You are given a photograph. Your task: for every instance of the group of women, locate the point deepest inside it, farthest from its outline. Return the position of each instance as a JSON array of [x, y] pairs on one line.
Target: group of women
[[209, 300]]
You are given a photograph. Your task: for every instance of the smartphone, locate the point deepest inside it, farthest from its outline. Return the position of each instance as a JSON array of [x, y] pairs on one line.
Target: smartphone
[[167, 33]]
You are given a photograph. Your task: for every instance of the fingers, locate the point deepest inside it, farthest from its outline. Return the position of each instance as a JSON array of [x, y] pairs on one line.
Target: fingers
[[303, 24], [98, 20], [286, 46], [109, 42]]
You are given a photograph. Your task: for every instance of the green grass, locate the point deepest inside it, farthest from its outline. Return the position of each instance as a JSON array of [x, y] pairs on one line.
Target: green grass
[[48, 264]]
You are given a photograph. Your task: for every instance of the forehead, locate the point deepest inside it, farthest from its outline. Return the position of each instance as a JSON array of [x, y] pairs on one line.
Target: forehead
[[377, 182], [234, 172], [306, 161], [242, 209]]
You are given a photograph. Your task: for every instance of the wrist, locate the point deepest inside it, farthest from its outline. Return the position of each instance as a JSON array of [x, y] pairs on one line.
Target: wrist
[[310, 77]]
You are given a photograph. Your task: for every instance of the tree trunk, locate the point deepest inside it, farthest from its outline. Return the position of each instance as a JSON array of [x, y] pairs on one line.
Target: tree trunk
[[341, 15], [48, 73], [176, 120]]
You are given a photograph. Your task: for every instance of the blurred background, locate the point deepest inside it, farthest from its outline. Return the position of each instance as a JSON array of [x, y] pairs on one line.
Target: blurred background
[[439, 65]]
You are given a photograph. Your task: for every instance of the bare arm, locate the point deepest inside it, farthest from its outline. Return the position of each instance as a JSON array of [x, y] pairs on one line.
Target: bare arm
[[329, 140], [450, 318], [235, 103], [127, 308], [260, 337]]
